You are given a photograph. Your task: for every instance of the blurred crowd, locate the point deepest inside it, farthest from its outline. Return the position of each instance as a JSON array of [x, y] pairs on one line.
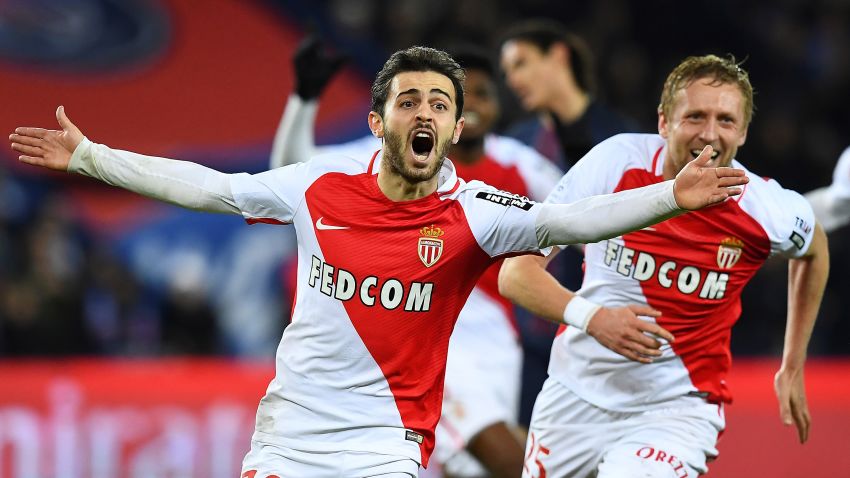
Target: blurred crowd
[[65, 290]]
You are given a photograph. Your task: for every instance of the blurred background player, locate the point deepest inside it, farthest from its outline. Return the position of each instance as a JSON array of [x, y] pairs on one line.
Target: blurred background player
[[832, 203], [610, 415], [476, 435], [552, 72]]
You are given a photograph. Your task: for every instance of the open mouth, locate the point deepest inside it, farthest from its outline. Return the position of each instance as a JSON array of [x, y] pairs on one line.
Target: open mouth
[[696, 152], [423, 142]]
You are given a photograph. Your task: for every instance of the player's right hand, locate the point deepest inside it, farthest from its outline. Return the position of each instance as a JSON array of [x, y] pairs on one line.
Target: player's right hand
[[620, 330], [698, 185], [46, 147], [314, 67]]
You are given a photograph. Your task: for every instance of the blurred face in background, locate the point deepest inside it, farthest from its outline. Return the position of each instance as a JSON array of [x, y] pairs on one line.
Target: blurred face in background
[[704, 112], [532, 73], [481, 106]]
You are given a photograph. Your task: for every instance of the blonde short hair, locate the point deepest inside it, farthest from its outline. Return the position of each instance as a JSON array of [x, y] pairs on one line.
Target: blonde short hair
[[722, 70]]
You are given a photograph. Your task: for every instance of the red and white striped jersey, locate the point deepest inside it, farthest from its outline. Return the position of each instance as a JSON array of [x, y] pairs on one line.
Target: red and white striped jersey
[[380, 285], [692, 268], [509, 165]]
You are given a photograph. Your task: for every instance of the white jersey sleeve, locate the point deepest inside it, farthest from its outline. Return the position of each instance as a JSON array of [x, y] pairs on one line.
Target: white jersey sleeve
[[182, 183], [271, 196], [503, 223], [841, 176], [785, 215], [276, 195], [832, 204]]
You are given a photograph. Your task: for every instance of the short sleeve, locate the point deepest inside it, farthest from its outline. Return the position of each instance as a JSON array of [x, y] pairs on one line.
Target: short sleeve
[[271, 196], [503, 223], [787, 217]]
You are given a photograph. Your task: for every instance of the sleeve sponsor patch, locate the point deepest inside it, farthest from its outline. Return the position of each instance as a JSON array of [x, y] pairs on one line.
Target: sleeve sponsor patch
[[410, 435], [506, 199], [798, 240]]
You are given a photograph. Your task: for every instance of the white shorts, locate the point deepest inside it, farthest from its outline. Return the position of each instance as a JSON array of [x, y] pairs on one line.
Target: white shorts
[[571, 437], [273, 461], [482, 387]]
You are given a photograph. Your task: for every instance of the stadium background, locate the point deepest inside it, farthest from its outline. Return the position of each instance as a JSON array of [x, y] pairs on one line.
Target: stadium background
[[136, 338]]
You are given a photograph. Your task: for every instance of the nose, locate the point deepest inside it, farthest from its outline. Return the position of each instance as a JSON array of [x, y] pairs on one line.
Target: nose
[[424, 112], [708, 134]]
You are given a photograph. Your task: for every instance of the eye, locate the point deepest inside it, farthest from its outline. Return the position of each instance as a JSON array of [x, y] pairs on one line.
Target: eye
[[441, 106]]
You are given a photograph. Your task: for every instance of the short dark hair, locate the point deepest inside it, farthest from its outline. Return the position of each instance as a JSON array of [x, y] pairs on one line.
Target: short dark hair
[[471, 57], [417, 58], [543, 34], [721, 71]]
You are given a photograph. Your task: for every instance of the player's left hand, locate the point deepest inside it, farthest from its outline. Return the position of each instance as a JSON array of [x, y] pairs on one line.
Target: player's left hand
[[697, 185], [790, 389], [621, 330]]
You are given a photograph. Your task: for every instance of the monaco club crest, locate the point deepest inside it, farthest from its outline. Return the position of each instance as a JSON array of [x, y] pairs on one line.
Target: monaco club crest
[[729, 252], [430, 245]]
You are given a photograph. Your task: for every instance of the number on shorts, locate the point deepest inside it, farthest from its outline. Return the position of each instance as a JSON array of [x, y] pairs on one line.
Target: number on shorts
[[535, 452]]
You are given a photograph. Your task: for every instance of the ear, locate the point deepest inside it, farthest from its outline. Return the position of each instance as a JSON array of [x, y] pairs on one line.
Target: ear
[[376, 124], [560, 52], [662, 124], [458, 129]]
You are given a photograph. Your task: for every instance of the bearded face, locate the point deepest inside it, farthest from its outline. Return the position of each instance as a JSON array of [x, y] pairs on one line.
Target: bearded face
[[418, 125], [396, 145]]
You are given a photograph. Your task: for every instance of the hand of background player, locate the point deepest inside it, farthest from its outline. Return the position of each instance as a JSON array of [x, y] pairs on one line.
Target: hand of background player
[[46, 147], [314, 67], [790, 389], [620, 330], [698, 185]]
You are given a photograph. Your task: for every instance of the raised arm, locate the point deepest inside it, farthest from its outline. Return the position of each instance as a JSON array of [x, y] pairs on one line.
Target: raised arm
[[314, 67], [611, 215], [806, 282], [182, 183]]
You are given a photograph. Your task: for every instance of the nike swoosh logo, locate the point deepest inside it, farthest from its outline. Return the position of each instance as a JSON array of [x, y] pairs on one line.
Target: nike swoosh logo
[[327, 227]]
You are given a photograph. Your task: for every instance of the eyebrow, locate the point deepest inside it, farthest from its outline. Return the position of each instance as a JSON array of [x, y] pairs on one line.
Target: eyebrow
[[413, 91]]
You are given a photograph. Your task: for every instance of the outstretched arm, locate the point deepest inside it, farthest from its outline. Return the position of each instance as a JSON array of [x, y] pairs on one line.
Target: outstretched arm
[[182, 183], [611, 215], [806, 282]]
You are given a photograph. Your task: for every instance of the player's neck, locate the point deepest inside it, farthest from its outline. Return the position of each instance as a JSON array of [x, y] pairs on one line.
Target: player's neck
[[569, 105], [668, 169], [467, 151], [396, 188]]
